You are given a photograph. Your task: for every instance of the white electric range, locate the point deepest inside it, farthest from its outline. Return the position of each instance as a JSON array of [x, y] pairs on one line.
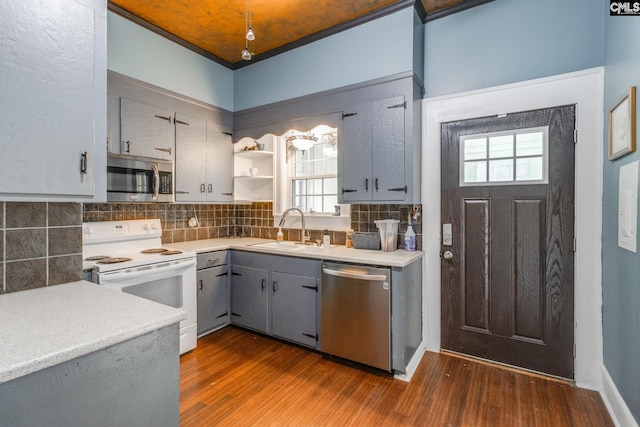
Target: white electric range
[[128, 256]]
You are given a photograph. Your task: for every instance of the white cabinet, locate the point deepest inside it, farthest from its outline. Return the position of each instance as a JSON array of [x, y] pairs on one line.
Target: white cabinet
[[146, 130], [253, 170], [204, 161], [52, 98], [372, 152]]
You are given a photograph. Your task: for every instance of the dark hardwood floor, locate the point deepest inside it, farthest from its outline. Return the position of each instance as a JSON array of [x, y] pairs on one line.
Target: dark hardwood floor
[[237, 378]]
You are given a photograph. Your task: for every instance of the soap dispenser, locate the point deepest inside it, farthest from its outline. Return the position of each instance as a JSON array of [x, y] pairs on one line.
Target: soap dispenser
[[326, 239], [279, 235]]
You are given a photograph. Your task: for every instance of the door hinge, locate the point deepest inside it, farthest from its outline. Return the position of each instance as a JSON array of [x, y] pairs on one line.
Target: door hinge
[[311, 336], [575, 136]]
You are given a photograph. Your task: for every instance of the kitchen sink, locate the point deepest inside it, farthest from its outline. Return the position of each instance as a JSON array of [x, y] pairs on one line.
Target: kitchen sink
[[289, 246]]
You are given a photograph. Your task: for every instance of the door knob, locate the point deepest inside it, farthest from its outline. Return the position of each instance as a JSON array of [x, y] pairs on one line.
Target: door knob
[[447, 255]]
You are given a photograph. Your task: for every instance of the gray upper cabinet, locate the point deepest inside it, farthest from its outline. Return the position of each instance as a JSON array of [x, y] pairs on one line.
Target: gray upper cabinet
[[52, 99], [379, 134], [204, 161], [146, 130], [191, 160], [372, 152]]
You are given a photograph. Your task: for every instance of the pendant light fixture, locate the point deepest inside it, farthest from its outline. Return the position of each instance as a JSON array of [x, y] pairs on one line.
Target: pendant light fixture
[[249, 34]]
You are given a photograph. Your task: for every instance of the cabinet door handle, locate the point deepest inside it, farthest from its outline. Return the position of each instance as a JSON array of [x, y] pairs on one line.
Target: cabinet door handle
[[399, 189], [164, 150], [275, 286], [233, 273], [401, 105], [201, 285], [164, 118], [210, 188], [311, 336], [264, 284], [223, 315], [227, 194], [345, 115], [376, 185], [83, 162], [349, 190], [314, 288], [128, 144], [222, 274], [366, 185], [179, 122], [202, 188]]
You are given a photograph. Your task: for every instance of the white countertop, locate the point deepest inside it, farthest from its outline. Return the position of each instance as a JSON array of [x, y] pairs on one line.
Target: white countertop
[[47, 326], [398, 258]]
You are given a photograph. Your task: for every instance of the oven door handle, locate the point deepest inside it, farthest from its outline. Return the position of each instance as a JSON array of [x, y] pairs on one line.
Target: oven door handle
[[145, 271]]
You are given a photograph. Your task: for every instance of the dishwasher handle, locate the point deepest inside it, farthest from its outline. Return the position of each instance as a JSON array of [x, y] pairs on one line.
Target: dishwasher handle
[[357, 276]]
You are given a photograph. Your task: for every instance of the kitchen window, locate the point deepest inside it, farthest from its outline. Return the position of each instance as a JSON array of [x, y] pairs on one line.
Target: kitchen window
[[308, 178], [313, 175]]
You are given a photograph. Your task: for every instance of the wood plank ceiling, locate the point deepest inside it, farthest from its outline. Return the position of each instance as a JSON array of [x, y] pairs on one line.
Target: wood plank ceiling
[[216, 28]]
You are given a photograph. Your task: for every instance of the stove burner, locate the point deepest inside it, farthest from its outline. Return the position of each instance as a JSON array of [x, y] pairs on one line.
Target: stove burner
[[154, 251], [97, 257], [113, 260], [167, 252]]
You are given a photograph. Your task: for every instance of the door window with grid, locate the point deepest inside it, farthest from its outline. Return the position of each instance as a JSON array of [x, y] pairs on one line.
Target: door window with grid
[[505, 158]]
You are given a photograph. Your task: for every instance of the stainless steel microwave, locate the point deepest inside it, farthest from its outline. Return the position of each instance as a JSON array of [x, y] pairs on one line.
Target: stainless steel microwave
[[138, 179]]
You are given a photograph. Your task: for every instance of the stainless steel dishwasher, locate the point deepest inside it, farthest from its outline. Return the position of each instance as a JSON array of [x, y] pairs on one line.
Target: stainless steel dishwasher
[[355, 313]]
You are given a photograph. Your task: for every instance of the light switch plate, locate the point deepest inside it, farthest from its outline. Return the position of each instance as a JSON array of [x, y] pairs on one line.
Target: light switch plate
[[628, 206]]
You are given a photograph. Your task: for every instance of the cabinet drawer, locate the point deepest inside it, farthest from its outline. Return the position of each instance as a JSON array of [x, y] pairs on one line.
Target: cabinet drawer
[[211, 259]]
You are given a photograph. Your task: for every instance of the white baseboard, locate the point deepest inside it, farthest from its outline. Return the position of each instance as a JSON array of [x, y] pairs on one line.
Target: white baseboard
[[614, 402], [413, 364]]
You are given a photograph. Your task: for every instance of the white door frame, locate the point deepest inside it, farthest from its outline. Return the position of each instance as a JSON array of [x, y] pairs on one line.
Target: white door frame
[[583, 88]]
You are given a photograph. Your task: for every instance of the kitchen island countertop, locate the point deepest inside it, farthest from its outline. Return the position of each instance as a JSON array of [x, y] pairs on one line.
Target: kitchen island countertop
[[46, 326], [398, 258]]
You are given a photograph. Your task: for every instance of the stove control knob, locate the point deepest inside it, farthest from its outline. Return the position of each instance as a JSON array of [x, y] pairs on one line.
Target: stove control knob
[[153, 226], [88, 230], [146, 226]]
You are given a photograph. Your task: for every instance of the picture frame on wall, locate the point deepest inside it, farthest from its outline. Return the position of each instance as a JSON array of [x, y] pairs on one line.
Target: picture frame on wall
[[622, 125]]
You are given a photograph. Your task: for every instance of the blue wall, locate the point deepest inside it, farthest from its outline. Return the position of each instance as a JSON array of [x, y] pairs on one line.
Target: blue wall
[[143, 55], [508, 41], [620, 268], [375, 49]]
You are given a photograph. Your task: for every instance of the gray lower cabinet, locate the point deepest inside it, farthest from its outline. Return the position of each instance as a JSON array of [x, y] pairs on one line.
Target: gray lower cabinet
[[273, 295], [293, 302], [249, 297], [213, 291]]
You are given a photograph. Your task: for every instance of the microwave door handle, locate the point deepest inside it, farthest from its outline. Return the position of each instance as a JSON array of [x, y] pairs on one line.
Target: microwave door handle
[[156, 182], [145, 271]]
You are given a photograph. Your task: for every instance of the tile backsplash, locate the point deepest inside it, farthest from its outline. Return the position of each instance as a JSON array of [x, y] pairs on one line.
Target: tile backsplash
[[40, 244]]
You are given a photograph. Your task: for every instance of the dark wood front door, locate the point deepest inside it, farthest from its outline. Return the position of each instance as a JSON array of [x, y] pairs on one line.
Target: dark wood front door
[[507, 277]]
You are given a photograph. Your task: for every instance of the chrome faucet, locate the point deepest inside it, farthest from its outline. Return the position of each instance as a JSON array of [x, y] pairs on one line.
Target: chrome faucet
[[305, 235]]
